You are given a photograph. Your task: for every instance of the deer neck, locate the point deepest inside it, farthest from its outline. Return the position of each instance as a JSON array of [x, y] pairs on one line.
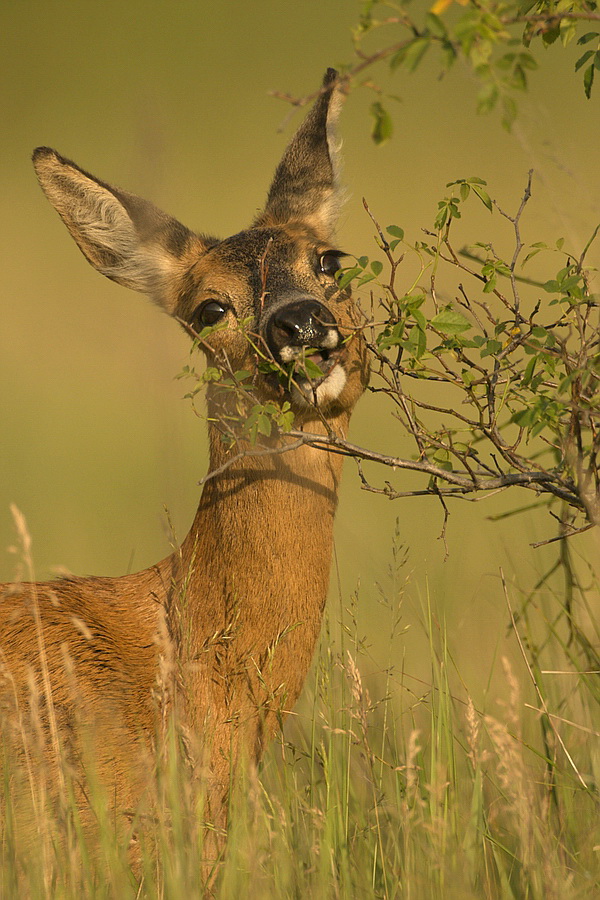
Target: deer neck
[[253, 572]]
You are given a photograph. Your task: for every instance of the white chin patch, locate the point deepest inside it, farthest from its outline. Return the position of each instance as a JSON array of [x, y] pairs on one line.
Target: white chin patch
[[329, 389]]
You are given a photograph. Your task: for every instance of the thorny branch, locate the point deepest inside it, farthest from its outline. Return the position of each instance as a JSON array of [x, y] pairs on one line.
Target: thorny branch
[[494, 391]]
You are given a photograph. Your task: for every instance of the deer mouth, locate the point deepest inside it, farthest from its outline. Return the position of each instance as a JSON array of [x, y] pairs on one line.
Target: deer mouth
[[318, 376], [309, 364], [325, 360], [310, 376]]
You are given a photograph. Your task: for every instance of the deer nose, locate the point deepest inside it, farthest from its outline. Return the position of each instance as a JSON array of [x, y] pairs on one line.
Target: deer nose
[[301, 323]]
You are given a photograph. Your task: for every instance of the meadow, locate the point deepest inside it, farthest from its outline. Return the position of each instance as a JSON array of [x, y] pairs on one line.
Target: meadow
[[381, 784], [447, 741]]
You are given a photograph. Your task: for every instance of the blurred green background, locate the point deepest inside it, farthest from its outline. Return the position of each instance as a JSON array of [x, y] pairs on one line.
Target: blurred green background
[[171, 101]]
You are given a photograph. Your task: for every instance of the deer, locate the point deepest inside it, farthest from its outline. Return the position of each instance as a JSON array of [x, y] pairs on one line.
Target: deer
[[236, 609]]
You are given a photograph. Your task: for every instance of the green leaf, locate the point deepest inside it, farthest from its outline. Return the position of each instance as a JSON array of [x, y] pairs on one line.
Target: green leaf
[[491, 347], [436, 25], [312, 370], [531, 254], [525, 6], [528, 61], [549, 36], [419, 318], [509, 112], [518, 81], [487, 97], [263, 423], [210, 329], [383, 128], [395, 231], [588, 80], [529, 370], [551, 287], [390, 337], [569, 283], [376, 267], [483, 196], [506, 61], [568, 30], [368, 276], [583, 59], [450, 321], [346, 277], [416, 342], [413, 301], [566, 382], [449, 53], [589, 36], [286, 420], [525, 418], [442, 216], [397, 59], [415, 52]]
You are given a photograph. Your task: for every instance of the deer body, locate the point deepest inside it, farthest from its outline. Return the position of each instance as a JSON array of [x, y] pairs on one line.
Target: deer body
[[230, 619]]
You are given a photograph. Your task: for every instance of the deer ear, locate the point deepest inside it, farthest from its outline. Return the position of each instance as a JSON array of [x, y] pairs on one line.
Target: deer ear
[[305, 187], [124, 237]]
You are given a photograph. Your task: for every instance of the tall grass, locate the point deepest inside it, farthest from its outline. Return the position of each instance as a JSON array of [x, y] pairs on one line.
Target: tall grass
[[379, 786]]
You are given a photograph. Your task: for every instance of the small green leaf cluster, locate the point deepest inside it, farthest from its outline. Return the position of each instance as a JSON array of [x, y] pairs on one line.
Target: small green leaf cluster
[[448, 208], [491, 270], [360, 273], [245, 417], [512, 374], [407, 330], [286, 373], [592, 58], [493, 38], [263, 418], [410, 332], [383, 128], [213, 374], [569, 283]]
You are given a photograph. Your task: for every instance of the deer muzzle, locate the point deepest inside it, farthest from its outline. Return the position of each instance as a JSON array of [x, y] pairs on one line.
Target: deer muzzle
[[302, 332], [302, 329]]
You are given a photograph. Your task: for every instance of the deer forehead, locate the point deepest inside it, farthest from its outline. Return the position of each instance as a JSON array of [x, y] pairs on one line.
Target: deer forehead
[[254, 268]]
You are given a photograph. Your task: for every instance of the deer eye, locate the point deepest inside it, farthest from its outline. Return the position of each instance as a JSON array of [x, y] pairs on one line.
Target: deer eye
[[329, 264], [208, 313]]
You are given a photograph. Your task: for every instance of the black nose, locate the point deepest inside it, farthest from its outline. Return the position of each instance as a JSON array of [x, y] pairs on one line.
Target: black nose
[[302, 323]]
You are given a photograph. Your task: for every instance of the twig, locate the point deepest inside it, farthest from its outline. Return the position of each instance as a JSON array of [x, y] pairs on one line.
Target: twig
[[562, 537]]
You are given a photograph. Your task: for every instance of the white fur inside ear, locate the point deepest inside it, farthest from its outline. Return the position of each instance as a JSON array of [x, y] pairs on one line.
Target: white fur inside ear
[[338, 196], [106, 224], [103, 228]]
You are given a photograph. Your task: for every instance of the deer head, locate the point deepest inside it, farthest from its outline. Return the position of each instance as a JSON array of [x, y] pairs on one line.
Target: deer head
[[267, 293]]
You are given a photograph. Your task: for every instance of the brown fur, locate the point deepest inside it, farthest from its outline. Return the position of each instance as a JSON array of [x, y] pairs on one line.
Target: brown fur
[[233, 615]]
